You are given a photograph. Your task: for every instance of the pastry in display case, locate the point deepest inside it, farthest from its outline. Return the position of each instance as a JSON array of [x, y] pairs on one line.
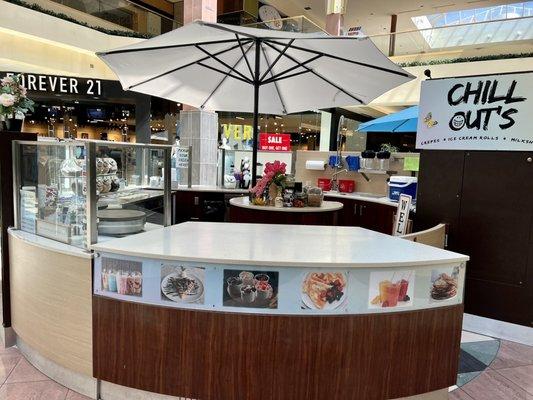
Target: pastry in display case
[[126, 193]]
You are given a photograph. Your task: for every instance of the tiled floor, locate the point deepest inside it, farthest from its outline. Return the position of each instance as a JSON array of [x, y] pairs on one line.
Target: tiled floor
[[509, 375], [489, 370]]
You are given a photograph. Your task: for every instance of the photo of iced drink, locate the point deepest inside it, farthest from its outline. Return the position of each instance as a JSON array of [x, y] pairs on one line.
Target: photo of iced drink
[[122, 283], [105, 282], [404, 285], [392, 290], [112, 281], [382, 286]]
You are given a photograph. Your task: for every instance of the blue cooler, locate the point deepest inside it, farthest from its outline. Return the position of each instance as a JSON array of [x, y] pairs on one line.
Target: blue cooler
[[402, 185]]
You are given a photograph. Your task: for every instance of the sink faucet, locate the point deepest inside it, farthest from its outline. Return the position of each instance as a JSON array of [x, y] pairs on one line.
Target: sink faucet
[[334, 179]]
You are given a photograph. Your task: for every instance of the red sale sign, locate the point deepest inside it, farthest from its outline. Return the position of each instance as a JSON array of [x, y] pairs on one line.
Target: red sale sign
[[274, 142]]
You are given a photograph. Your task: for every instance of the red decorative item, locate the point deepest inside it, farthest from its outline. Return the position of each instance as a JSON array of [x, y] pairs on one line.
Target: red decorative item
[[346, 185], [324, 184]]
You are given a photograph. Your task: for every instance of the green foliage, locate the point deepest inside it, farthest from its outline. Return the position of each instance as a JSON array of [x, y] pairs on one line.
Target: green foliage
[[65, 17], [465, 59]]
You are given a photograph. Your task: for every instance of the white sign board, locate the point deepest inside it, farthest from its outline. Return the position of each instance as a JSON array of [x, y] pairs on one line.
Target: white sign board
[[477, 113], [183, 157], [402, 215]]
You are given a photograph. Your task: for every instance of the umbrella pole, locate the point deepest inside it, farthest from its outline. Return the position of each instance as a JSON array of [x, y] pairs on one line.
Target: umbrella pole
[[256, 112]]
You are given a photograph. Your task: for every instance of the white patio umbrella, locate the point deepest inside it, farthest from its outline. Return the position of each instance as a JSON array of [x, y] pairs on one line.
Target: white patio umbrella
[[231, 68]]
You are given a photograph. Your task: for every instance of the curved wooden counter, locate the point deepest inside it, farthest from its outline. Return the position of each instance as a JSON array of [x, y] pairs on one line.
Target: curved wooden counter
[[241, 210], [215, 349]]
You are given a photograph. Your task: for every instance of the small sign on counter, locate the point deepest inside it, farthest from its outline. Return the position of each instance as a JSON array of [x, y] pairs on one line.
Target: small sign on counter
[[402, 215]]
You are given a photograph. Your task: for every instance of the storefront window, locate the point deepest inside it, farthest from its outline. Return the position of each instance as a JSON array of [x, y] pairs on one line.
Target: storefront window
[[236, 129]]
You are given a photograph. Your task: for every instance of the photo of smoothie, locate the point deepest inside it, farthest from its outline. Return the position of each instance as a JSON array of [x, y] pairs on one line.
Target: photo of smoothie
[[389, 289], [255, 289], [121, 276]]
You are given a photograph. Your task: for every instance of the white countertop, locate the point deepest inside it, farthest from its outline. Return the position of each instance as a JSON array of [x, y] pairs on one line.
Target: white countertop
[[327, 206], [356, 196], [205, 188], [278, 245]]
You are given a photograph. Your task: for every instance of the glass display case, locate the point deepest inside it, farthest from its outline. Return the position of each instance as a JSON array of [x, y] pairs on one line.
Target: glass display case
[[234, 166], [81, 192]]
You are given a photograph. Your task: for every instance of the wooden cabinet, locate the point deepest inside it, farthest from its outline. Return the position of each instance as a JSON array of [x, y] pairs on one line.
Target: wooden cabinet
[[200, 206], [366, 214], [487, 200]]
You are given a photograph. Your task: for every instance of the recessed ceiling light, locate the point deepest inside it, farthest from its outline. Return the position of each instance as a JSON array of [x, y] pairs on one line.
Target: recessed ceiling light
[[307, 8]]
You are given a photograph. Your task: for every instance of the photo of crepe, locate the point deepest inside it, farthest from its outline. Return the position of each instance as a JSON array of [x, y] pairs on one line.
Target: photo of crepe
[[444, 285], [182, 284], [324, 290]]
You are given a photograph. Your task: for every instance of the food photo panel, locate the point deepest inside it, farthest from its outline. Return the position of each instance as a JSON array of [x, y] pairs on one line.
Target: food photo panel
[[390, 289], [325, 291], [444, 284], [181, 284], [250, 289], [122, 276]]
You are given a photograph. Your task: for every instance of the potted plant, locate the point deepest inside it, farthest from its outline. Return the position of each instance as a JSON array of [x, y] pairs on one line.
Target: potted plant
[[14, 104]]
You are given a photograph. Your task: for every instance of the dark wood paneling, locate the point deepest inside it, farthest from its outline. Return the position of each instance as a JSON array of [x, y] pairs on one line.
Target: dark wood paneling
[[487, 200], [439, 190], [494, 229], [6, 212], [221, 356], [245, 215]]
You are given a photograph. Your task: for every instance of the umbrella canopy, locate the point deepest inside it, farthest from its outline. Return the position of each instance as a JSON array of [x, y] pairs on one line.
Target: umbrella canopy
[[401, 122], [230, 68]]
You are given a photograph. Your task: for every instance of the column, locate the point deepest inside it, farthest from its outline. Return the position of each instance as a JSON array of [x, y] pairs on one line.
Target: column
[[199, 128], [335, 16]]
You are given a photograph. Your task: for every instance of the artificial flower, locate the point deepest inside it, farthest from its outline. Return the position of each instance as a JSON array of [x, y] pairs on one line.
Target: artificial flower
[[7, 100]]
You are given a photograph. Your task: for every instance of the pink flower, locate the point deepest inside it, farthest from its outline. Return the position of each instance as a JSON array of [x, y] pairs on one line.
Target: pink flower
[[7, 80], [23, 91]]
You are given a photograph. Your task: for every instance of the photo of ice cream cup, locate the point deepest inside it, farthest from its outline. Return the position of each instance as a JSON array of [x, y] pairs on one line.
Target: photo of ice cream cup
[[261, 278], [234, 286], [247, 278], [250, 289], [264, 290], [105, 281], [122, 283], [248, 294]]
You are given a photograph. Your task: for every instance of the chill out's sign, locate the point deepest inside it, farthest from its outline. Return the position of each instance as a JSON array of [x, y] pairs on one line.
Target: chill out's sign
[[477, 113], [55, 84]]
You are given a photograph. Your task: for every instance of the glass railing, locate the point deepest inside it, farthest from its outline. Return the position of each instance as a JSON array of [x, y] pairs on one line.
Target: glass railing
[[482, 39], [120, 17], [299, 24]]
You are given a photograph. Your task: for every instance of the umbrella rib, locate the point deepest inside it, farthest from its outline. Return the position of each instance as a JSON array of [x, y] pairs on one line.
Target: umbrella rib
[[244, 54], [275, 79], [179, 68], [318, 75], [280, 75], [287, 46], [226, 77], [362, 64], [171, 46], [231, 69], [275, 83], [223, 72]]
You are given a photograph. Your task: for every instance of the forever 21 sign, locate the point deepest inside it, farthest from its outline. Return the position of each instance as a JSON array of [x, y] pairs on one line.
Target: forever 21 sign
[[37, 83]]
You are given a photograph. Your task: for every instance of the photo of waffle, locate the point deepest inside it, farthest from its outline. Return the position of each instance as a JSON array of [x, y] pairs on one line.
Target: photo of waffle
[[252, 289], [444, 283], [122, 276], [181, 284], [324, 290]]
